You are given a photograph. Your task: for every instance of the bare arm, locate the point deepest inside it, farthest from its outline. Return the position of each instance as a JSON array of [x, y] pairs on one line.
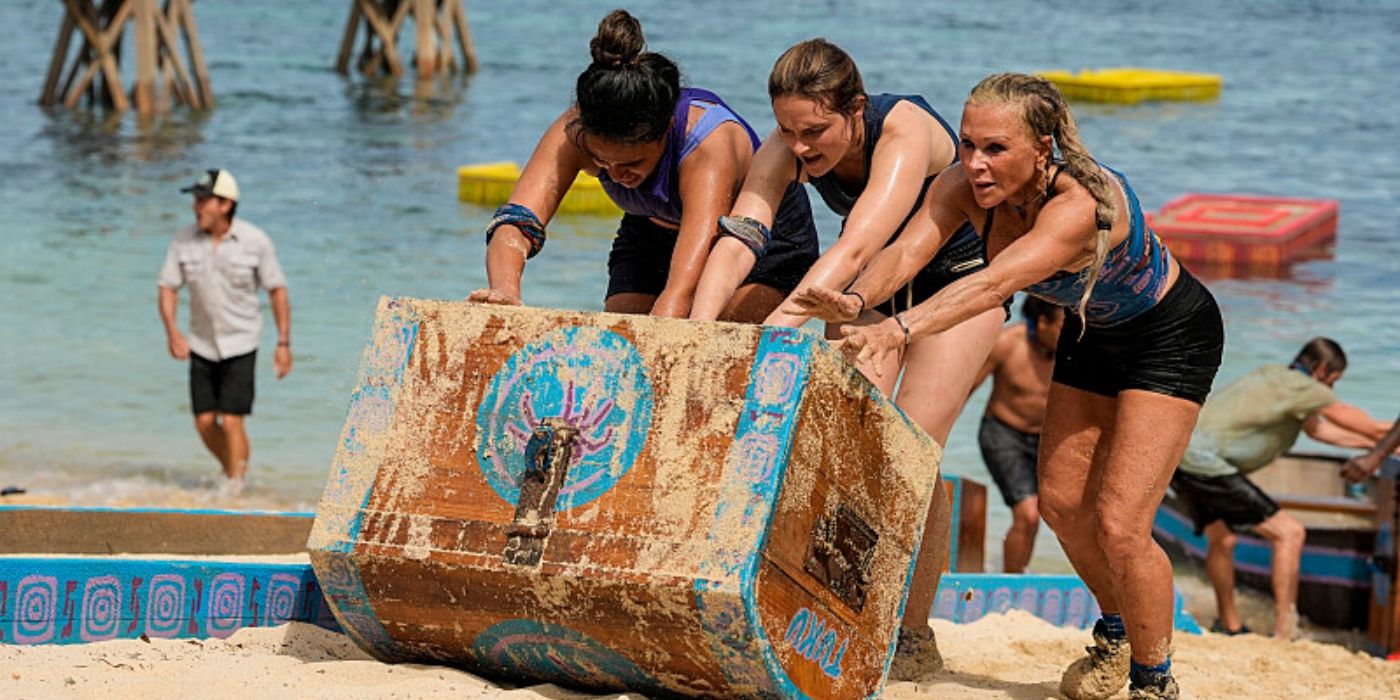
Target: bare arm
[[168, 302], [1363, 466], [1323, 430], [548, 175], [282, 314], [930, 227], [1058, 237], [730, 261], [710, 176], [1355, 420], [906, 154]]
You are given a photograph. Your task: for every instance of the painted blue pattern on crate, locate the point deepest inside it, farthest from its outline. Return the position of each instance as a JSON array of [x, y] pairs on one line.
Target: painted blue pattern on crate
[[592, 378], [370, 416], [1060, 599], [547, 652], [92, 599], [753, 475]]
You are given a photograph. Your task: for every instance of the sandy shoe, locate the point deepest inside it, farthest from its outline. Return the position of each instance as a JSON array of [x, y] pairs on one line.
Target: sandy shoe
[[1166, 691], [916, 655], [1100, 673]]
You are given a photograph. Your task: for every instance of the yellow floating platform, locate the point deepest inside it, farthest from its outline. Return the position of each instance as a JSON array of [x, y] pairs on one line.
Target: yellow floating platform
[[490, 184], [1133, 85]]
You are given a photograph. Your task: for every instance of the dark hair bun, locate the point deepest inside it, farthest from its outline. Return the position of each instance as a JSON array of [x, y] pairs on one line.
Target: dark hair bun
[[619, 41]]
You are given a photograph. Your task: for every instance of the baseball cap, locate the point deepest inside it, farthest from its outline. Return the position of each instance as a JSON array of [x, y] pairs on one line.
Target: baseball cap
[[217, 182]]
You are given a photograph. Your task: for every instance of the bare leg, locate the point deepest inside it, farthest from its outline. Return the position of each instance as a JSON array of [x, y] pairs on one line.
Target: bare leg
[[752, 303], [237, 440], [1287, 535], [1150, 434], [1075, 423], [938, 374], [1220, 569], [1020, 539], [207, 425]]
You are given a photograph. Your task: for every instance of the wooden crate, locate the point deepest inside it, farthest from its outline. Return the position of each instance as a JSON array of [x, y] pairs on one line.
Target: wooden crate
[[1383, 633], [709, 509]]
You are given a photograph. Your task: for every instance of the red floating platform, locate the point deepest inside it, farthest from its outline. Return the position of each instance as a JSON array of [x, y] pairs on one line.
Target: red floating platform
[[1248, 230]]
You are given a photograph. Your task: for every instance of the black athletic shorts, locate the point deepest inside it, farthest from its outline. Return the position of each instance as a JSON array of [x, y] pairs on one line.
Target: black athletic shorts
[[1173, 349], [640, 260], [225, 386], [1010, 456], [1232, 498]]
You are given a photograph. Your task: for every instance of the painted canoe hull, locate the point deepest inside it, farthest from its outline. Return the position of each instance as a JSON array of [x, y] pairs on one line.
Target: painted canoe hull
[[736, 511]]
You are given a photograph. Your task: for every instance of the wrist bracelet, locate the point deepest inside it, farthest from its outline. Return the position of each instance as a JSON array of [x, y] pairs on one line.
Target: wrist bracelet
[[857, 295], [899, 319], [284, 343]]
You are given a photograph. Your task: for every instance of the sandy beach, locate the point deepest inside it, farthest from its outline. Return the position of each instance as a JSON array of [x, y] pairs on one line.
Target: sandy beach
[[1014, 656]]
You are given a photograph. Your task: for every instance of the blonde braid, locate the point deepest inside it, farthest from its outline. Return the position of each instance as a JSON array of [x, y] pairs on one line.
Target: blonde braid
[[1046, 114]]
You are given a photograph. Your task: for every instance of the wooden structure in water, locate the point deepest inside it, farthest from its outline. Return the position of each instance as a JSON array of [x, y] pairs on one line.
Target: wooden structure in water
[[438, 25], [164, 74], [622, 502]]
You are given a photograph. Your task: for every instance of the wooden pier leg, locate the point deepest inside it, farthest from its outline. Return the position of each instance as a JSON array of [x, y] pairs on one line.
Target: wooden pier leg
[[60, 56], [347, 40], [205, 88], [464, 35], [144, 93], [425, 40]]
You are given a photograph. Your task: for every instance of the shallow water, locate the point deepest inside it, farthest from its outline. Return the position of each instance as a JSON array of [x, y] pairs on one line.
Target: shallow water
[[355, 182]]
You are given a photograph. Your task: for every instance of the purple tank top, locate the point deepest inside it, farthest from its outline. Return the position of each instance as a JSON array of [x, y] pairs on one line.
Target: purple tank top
[[659, 195]]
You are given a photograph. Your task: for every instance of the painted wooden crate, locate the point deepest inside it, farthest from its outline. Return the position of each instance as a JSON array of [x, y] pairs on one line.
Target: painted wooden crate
[[622, 502]]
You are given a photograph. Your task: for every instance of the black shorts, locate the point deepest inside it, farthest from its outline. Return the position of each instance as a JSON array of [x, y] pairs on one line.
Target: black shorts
[[640, 260], [225, 386], [1010, 456], [1232, 498], [1173, 349], [951, 263]]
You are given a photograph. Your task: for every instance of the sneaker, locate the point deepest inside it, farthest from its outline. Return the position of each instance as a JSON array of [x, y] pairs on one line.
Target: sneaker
[[1219, 628], [916, 655], [1166, 691], [1102, 672]]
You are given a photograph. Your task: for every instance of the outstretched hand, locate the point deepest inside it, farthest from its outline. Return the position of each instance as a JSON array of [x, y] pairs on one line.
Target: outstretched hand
[[1360, 468], [494, 296], [824, 303], [867, 345]]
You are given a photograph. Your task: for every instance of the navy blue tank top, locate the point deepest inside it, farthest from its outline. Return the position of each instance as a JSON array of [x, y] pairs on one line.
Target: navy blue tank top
[[841, 200]]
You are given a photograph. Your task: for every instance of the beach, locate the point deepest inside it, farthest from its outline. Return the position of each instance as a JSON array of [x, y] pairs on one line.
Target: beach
[[1005, 657]]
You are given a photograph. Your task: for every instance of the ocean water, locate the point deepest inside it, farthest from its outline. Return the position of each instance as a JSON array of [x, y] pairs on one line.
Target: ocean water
[[355, 182]]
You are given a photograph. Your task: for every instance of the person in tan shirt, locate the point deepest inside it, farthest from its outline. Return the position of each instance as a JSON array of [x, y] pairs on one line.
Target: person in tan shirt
[[1020, 366]]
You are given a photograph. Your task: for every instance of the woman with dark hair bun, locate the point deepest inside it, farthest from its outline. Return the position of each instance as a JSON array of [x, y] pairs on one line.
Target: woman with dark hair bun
[[673, 159]]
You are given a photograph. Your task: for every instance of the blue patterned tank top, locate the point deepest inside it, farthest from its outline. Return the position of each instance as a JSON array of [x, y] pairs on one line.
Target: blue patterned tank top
[[1132, 279]]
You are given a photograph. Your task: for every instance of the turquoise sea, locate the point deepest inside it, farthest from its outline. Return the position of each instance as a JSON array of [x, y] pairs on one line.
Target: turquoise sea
[[355, 181]]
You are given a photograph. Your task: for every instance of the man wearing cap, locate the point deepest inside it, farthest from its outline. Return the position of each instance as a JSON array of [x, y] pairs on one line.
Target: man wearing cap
[[224, 260]]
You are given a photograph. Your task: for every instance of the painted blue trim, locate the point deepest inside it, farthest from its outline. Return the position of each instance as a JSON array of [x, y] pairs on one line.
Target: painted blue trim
[[1321, 565], [754, 470], [179, 511], [74, 600], [1060, 599]]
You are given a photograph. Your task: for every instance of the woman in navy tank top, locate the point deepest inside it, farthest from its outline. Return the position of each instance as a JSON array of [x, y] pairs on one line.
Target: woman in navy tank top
[[673, 159], [871, 157], [1137, 356]]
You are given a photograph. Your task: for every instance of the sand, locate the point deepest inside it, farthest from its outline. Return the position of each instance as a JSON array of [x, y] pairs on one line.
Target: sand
[[1014, 656]]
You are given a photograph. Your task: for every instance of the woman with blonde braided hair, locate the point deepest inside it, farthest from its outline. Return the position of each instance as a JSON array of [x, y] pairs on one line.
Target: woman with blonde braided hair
[[1133, 364]]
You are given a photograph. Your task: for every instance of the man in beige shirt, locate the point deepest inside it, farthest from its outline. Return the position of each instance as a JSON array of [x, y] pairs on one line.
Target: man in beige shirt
[[1244, 427], [224, 260]]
